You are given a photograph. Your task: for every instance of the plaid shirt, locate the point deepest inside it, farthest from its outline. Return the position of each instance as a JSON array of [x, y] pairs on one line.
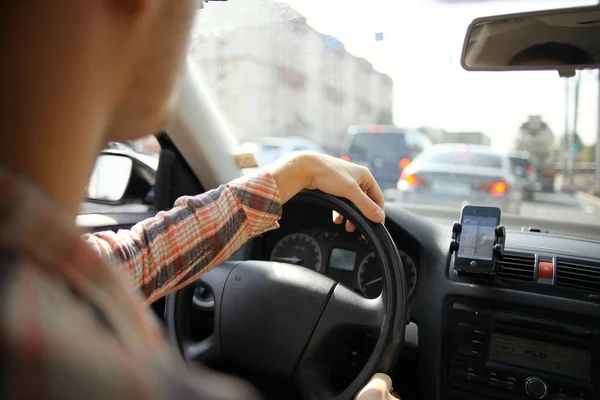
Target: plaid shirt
[[72, 326]]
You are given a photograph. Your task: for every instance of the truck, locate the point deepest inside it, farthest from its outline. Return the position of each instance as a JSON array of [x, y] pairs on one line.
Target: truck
[[536, 138], [479, 138]]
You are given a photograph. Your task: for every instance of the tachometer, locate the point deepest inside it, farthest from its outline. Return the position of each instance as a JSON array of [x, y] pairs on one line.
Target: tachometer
[[370, 280], [299, 249]]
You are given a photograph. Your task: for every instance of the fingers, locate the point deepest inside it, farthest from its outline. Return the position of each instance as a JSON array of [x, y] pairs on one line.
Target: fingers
[[374, 192], [368, 207], [337, 218], [371, 188], [378, 388], [350, 227], [366, 195]]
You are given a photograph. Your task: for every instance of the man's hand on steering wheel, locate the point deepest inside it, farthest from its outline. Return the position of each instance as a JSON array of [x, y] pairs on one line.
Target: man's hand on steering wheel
[[309, 170], [378, 388]]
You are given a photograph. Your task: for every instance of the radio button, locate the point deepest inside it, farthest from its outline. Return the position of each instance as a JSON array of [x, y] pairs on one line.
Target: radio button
[[464, 372], [469, 351], [495, 383], [471, 330], [536, 388], [470, 310]]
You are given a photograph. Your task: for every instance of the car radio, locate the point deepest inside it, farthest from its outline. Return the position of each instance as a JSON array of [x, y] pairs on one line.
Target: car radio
[[512, 355]]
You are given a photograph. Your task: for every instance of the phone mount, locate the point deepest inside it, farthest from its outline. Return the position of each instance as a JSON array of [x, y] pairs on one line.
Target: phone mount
[[471, 271]]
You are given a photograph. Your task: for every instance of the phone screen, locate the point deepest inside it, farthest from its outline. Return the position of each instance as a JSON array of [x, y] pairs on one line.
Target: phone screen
[[477, 237]]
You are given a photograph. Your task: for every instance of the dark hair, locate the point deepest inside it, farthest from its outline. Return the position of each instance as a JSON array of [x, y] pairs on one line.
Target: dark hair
[[566, 53]]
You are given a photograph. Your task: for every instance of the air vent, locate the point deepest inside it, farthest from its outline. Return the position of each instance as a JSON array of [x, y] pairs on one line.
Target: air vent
[[517, 267], [578, 274]]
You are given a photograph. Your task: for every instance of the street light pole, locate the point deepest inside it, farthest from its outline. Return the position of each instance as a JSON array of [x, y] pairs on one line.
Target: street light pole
[[574, 132], [565, 147], [597, 158]]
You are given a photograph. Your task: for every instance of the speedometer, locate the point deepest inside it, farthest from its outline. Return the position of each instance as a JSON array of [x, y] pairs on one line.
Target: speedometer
[[370, 280], [299, 249]]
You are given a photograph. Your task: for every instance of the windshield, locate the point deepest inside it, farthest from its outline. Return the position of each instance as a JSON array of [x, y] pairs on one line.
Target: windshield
[[458, 157], [313, 69], [365, 146]]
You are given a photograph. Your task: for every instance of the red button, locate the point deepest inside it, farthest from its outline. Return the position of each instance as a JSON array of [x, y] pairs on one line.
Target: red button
[[546, 270]]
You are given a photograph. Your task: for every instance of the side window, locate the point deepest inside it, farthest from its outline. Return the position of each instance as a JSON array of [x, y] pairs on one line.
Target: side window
[[142, 155]]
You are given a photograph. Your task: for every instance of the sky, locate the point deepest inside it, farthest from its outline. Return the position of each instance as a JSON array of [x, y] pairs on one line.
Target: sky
[[420, 50], [422, 41]]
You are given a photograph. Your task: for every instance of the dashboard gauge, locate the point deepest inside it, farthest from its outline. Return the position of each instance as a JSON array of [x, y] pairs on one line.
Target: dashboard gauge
[[370, 280], [299, 249]]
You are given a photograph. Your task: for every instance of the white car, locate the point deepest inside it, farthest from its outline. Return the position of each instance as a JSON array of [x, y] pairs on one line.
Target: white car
[[268, 149]]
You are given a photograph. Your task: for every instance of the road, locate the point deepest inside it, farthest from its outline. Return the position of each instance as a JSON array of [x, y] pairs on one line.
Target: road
[[557, 206], [562, 207]]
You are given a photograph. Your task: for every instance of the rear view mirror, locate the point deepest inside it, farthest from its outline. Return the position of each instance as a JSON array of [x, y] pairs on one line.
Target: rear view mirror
[[565, 40], [110, 179]]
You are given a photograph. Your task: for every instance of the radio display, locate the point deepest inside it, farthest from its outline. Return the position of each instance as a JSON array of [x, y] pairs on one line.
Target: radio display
[[542, 356]]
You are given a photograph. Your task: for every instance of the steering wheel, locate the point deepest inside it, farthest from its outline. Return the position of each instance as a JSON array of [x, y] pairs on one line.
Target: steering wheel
[[284, 319]]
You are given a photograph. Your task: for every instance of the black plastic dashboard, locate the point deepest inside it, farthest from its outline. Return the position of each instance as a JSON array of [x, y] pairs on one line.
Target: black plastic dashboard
[[571, 297]]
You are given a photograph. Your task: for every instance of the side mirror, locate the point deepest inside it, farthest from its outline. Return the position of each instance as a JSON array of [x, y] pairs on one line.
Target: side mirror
[[110, 178], [119, 178]]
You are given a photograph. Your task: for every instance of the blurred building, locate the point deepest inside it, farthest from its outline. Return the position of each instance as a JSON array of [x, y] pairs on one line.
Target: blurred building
[[283, 78]]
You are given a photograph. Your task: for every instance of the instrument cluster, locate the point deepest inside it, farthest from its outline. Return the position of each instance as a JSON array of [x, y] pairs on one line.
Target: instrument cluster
[[344, 257]]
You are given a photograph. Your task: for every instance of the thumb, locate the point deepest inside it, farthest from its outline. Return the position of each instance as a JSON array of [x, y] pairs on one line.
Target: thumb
[[378, 388], [368, 207]]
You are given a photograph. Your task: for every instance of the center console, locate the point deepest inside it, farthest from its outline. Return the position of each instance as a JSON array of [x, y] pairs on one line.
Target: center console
[[512, 353]]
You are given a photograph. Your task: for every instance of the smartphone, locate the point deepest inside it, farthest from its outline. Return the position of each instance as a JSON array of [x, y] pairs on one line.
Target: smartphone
[[476, 241]]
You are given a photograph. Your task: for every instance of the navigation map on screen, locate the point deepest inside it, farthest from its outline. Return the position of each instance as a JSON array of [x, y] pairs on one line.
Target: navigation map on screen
[[477, 237]]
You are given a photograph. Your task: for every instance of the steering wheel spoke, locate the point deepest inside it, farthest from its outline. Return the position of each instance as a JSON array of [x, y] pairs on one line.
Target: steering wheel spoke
[[347, 309], [203, 351], [345, 312]]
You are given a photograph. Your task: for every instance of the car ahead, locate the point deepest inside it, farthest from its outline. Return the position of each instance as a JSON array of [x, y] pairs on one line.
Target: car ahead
[[452, 174], [268, 149], [385, 149], [525, 174]]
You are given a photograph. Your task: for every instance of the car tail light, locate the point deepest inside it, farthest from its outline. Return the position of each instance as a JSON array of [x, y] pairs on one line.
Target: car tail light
[[496, 188], [345, 158], [405, 162], [411, 180], [530, 169], [549, 172], [377, 129]]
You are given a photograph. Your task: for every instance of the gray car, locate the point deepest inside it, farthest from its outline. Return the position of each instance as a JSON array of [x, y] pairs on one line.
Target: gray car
[[452, 174]]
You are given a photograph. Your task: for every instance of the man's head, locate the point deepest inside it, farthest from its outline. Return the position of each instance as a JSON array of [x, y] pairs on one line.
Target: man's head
[[78, 73], [163, 42]]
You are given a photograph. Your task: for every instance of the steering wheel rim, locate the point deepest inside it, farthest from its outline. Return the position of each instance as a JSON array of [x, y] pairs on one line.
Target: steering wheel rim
[[341, 308]]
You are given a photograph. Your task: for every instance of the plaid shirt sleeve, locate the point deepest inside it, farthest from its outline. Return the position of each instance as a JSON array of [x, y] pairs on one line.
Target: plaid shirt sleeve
[[164, 253]]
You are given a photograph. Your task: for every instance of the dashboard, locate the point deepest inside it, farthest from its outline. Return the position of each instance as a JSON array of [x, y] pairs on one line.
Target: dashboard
[[529, 335], [532, 334]]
